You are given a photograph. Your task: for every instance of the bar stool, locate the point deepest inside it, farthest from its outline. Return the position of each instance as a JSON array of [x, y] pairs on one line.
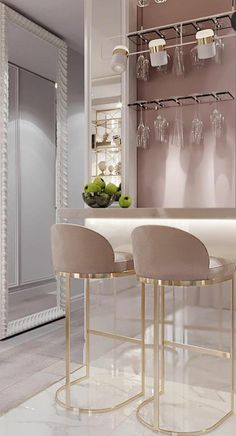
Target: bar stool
[[81, 253], [165, 256]]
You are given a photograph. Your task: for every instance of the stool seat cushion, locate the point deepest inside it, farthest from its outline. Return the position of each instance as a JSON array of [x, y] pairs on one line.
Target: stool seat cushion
[[123, 261], [220, 267]]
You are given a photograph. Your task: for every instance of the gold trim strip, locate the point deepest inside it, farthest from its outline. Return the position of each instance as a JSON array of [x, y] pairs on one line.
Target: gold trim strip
[[201, 350], [205, 41], [157, 49], [198, 283], [117, 337], [121, 51], [97, 276]]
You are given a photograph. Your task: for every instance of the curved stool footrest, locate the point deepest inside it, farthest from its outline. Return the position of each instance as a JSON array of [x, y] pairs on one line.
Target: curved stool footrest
[[78, 409], [201, 432]]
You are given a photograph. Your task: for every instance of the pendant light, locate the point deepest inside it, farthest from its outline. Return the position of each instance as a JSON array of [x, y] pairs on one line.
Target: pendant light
[[158, 53], [119, 58], [206, 44]]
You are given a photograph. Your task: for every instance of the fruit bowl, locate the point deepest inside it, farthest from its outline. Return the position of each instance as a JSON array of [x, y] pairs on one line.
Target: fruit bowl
[[98, 200]]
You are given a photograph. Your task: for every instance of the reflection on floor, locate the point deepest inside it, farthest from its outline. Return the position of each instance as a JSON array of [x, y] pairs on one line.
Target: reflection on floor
[[203, 380]]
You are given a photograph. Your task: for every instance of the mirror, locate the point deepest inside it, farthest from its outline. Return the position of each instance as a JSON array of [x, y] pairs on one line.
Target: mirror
[[33, 141], [106, 95]]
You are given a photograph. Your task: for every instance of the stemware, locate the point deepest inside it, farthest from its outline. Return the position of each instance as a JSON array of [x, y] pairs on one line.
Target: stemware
[[178, 68], [143, 133], [220, 47], [178, 134], [196, 62], [217, 122], [197, 129], [139, 67], [161, 128]]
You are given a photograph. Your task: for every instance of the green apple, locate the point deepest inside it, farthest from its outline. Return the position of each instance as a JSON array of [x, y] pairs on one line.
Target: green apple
[[100, 182], [125, 201], [92, 187], [111, 189], [117, 195], [103, 199]]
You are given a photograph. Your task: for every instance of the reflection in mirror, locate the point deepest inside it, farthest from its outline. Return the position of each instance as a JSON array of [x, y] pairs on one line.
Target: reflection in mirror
[[31, 195], [106, 106]]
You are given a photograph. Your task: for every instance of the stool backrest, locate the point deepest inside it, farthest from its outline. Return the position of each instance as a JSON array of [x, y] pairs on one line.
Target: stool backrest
[[167, 253], [76, 249]]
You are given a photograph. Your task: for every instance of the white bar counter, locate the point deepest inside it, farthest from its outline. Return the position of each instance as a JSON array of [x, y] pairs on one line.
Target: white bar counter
[[215, 227]]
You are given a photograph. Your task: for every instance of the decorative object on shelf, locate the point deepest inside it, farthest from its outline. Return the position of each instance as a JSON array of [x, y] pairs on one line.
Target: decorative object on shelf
[[178, 68], [197, 129], [206, 44], [161, 128], [111, 169], [117, 140], [178, 133], [102, 167], [118, 169], [158, 53], [99, 195], [217, 123], [160, 1], [119, 59], [143, 133], [125, 201]]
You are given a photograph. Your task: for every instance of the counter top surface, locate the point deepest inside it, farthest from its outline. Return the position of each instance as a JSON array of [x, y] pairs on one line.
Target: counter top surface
[[145, 213]]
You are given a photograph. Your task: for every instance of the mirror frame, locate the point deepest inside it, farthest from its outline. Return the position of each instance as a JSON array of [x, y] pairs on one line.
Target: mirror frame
[[9, 15]]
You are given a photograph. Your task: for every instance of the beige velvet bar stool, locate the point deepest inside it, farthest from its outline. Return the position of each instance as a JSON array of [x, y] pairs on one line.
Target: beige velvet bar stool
[[81, 253], [165, 256]]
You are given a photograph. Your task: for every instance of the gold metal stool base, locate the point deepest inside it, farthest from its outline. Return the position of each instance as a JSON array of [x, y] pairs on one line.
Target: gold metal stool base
[[159, 347], [67, 403], [68, 406], [160, 429]]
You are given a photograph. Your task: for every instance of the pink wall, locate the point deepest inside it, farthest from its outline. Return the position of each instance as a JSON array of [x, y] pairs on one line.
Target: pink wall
[[196, 176]]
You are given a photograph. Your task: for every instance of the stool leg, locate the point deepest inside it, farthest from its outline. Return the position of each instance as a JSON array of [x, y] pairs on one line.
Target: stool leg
[[232, 346], [143, 327], [156, 362], [68, 347], [87, 327], [162, 339]]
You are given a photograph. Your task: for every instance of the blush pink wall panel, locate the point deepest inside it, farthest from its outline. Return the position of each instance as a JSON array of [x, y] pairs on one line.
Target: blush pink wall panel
[[195, 176]]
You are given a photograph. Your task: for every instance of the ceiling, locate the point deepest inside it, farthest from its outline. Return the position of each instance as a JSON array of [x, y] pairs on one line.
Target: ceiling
[[65, 18]]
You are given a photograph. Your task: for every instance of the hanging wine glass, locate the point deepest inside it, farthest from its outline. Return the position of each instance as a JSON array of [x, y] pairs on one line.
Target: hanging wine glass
[[217, 122], [161, 128], [220, 47], [140, 130], [178, 68], [197, 128], [178, 135], [146, 134]]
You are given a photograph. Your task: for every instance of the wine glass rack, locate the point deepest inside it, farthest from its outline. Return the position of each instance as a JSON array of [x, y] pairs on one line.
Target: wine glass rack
[[182, 29], [212, 97]]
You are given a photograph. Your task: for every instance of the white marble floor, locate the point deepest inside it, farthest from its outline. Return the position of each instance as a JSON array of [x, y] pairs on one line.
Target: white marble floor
[[192, 375], [40, 416]]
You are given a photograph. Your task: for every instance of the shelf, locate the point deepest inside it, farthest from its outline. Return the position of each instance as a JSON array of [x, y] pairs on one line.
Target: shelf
[[189, 28], [211, 97], [107, 175]]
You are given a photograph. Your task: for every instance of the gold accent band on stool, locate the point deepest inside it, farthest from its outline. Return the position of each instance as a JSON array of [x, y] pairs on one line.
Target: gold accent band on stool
[[158, 286], [141, 342]]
